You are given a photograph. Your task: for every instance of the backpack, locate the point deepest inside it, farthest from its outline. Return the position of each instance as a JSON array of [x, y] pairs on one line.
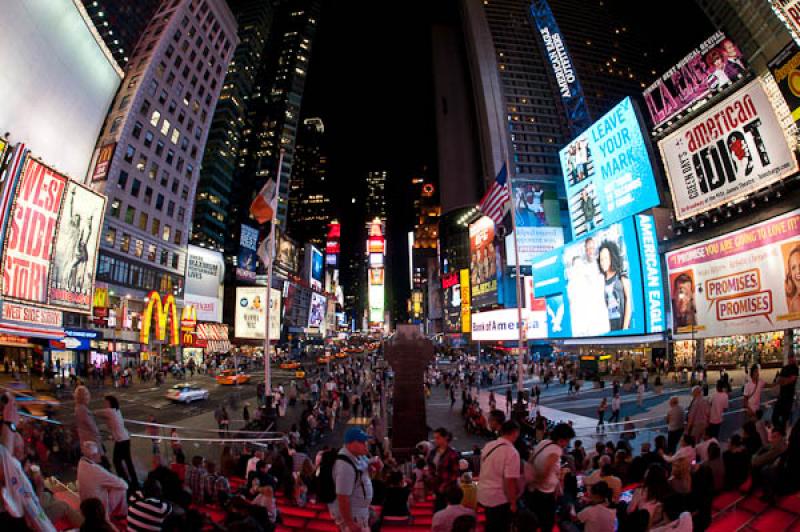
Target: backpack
[[326, 484]]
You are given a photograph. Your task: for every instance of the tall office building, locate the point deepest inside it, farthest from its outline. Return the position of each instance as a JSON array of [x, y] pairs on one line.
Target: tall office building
[[376, 195], [310, 207], [226, 137], [120, 24], [273, 120], [152, 144]]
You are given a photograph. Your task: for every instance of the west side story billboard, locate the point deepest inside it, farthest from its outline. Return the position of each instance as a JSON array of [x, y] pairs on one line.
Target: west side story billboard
[[733, 149]]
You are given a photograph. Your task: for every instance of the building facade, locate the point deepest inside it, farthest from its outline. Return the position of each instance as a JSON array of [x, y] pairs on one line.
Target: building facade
[[156, 134], [310, 207], [120, 24]]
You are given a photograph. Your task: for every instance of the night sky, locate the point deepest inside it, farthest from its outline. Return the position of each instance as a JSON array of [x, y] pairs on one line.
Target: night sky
[[370, 81]]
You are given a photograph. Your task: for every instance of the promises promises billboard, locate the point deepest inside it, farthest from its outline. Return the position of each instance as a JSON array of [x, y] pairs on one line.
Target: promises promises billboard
[[50, 250], [250, 318], [744, 282], [607, 283], [707, 70], [608, 171], [735, 148]]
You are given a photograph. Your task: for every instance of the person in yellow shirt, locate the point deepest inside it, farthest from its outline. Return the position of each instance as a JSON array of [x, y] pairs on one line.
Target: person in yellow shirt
[[470, 489]]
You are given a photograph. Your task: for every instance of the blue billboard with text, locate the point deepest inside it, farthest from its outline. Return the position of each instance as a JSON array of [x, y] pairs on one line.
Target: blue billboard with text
[[607, 283], [608, 171]]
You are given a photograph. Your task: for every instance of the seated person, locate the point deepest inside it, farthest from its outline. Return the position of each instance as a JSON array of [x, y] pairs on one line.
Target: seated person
[[768, 454], [96, 482], [737, 463], [606, 475], [598, 516], [397, 494], [443, 519], [678, 520]]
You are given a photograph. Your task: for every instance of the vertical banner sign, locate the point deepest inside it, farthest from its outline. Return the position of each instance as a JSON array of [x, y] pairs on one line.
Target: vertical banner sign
[[709, 69], [608, 171], [274, 314], [452, 302], [30, 234], [205, 272], [466, 304], [735, 148], [246, 263], [103, 162], [651, 274], [73, 266], [483, 265], [785, 68], [789, 12], [743, 282]]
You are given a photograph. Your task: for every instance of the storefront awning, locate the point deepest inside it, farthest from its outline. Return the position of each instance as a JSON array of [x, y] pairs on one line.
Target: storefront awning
[[216, 336], [31, 331], [618, 340]]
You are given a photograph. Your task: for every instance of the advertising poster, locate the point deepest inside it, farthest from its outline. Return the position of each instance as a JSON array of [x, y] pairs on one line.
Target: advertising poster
[[466, 302], [377, 303], [246, 262], [501, 325], [707, 70], [103, 162], [744, 282], [483, 263], [250, 318], [288, 255], [30, 232], [538, 221], [608, 171], [205, 273], [316, 268], [451, 288], [735, 148], [594, 286], [316, 312], [785, 68], [789, 12], [73, 267]]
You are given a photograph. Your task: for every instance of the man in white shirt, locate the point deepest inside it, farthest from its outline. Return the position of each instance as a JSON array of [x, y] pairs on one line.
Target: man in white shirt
[[94, 481], [752, 392], [701, 449], [540, 496], [443, 519], [719, 403], [500, 470]]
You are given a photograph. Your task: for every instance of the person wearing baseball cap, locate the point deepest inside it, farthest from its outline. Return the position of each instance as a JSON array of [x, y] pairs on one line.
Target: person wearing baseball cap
[[353, 485]]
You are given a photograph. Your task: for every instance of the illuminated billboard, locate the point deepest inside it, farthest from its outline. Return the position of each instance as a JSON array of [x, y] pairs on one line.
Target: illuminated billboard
[[608, 171], [785, 68], [316, 310], [735, 148], [205, 273], [376, 303], [501, 325], [288, 255], [246, 261], [707, 70], [743, 282], [598, 285], [51, 239], [250, 317], [483, 265], [57, 81], [538, 218], [314, 265]]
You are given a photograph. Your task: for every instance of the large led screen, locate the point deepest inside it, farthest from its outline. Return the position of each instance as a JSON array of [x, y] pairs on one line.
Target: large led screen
[[608, 171], [316, 312]]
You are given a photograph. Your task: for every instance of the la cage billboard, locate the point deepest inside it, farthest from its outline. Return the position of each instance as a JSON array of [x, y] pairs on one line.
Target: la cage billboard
[[607, 283], [743, 282], [205, 273], [51, 239], [735, 148], [707, 70], [608, 171]]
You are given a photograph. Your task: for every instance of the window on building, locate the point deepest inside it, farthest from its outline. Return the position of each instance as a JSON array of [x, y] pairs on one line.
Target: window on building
[[145, 107], [165, 127], [153, 170], [176, 135], [125, 245], [175, 256], [148, 195], [172, 106], [137, 130], [114, 210], [170, 79], [142, 164], [130, 215], [155, 117], [189, 171], [174, 187], [181, 214], [110, 237], [193, 153], [135, 188], [179, 164], [143, 220], [134, 80], [123, 104], [123, 179], [159, 148], [170, 208], [138, 247], [115, 124], [155, 227], [166, 232], [177, 35], [151, 252], [184, 143], [130, 152], [148, 138], [162, 97], [160, 202], [170, 156], [178, 62], [181, 116], [152, 88], [162, 67], [170, 50], [164, 257], [185, 193]]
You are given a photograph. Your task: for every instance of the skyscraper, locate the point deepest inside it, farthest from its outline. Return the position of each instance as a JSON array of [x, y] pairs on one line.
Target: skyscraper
[[226, 138], [275, 113], [120, 24], [155, 134], [376, 195], [310, 208]]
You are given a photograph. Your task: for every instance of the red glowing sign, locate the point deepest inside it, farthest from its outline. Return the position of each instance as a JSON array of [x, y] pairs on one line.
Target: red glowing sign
[[334, 230]]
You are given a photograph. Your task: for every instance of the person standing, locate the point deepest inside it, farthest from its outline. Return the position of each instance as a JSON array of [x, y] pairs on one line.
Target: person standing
[[509, 400], [123, 462], [640, 394], [697, 419], [500, 472], [353, 486], [443, 463], [545, 458], [787, 380], [752, 392], [674, 424], [616, 406], [719, 403], [601, 414]]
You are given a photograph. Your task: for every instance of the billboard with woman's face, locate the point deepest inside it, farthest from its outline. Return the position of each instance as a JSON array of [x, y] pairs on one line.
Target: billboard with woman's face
[[743, 282]]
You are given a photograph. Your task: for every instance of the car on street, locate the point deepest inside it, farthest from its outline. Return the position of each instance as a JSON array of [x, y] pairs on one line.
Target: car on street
[[230, 377], [290, 365], [33, 403], [300, 374], [186, 393]]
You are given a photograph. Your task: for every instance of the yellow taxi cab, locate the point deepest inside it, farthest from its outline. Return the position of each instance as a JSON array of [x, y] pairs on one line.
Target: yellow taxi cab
[[324, 359], [342, 354], [230, 377], [290, 365], [300, 374]]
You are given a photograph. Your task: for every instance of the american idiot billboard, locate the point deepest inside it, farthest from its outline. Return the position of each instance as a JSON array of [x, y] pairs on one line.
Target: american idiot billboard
[[733, 149], [51, 239]]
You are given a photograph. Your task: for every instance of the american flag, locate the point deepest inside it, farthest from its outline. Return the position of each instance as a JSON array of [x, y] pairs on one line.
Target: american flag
[[495, 203]]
